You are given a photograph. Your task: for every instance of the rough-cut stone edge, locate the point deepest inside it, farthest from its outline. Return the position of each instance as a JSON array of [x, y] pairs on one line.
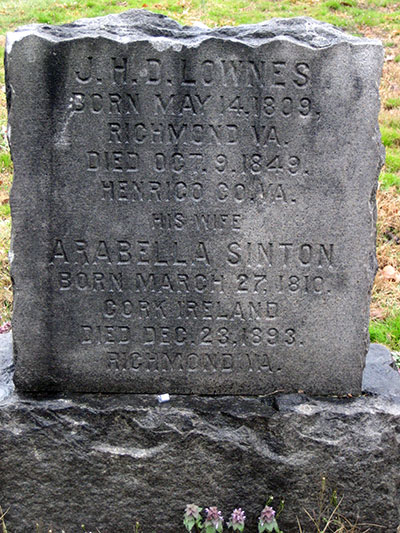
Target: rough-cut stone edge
[[6, 365], [163, 32], [381, 378]]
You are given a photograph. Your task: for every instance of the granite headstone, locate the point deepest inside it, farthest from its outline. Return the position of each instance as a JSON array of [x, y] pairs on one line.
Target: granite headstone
[[193, 209]]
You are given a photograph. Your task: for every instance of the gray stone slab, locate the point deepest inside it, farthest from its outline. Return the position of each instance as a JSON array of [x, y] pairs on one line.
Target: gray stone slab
[[6, 365], [378, 376], [193, 209], [106, 461]]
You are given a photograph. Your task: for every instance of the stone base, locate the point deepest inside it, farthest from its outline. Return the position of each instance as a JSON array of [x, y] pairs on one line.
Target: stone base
[[107, 461]]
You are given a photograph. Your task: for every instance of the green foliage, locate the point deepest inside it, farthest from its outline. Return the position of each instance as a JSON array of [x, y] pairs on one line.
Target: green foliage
[[368, 17], [397, 59], [345, 13], [392, 103], [388, 179], [392, 160], [392, 122], [5, 210], [192, 517], [212, 529], [390, 136], [387, 331], [271, 527], [5, 160], [2, 69], [236, 527], [333, 4], [340, 4]]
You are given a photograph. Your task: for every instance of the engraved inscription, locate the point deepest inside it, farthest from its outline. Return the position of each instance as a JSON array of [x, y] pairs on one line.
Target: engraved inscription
[[196, 162], [144, 252], [227, 72], [193, 362]]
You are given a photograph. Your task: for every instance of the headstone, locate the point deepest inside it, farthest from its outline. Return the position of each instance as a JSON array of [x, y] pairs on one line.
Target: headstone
[[193, 209]]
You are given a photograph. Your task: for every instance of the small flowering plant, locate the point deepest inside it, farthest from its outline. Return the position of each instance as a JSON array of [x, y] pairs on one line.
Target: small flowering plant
[[192, 517], [214, 521], [237, 520], [267, 520]]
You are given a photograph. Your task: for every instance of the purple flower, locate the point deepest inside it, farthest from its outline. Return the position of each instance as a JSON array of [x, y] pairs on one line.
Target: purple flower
[[267, 515], [192, 511], [238, 517], [214, 517], [237, 520], [5, 328]]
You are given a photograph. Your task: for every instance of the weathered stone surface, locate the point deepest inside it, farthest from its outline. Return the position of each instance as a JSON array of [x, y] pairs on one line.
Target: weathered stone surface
[[378, 376], [108, 460], [6, 365], [193, 209]]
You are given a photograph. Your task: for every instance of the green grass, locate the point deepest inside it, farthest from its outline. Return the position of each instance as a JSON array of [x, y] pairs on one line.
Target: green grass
[[391, 123], [344, 13], [388, 179], [390, 136], [378, 3], [392, 103], [387, 331], [5, 160], [340, 5], [5, 210], [392, 160]]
